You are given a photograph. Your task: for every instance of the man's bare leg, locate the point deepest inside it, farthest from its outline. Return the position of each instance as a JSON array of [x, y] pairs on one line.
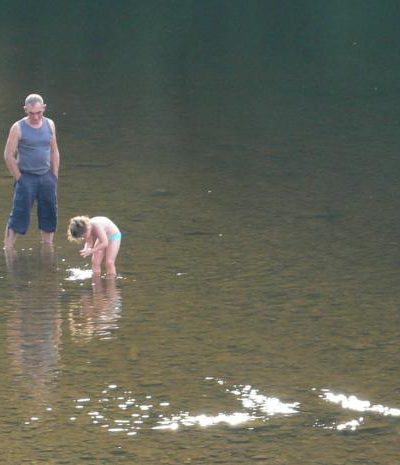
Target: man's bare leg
[[47, 237], [10, 237], [10, 255]]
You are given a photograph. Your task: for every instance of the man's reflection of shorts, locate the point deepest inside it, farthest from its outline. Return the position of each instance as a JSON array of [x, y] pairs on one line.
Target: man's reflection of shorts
[[34, 325]]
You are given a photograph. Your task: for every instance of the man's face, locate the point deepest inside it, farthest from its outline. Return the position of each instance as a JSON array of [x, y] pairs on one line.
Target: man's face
[[35, 112]]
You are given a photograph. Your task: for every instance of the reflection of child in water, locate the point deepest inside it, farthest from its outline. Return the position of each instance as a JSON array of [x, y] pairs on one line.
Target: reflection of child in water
[[97, 311], [102, 240]]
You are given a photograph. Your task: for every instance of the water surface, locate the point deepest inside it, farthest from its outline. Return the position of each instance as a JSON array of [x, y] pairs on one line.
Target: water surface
[[253, 172]]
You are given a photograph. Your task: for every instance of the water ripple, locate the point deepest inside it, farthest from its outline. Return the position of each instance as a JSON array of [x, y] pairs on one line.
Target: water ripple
[[77, 274], [354, 403]]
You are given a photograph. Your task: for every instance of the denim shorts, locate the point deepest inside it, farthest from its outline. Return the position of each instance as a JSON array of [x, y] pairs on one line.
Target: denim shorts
[[28, 189]]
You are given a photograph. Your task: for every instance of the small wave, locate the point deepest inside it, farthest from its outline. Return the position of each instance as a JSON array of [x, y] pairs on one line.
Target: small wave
[[258, 407], [354, 403], [77, 274], [185, 419], [252, 399]]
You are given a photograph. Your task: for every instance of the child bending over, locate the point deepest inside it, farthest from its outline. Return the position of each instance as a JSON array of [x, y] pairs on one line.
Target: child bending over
[[102, 240]]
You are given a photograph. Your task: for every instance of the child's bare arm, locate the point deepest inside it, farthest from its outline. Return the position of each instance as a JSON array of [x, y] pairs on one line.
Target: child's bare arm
[[101, 242], [88, 244], [87, 248]]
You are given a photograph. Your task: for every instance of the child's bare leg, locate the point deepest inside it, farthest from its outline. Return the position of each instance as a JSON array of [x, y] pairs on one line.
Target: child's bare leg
[[111, 256], [97, 259]]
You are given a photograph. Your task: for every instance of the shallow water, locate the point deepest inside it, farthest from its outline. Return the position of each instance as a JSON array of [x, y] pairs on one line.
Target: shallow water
[[255, 314]]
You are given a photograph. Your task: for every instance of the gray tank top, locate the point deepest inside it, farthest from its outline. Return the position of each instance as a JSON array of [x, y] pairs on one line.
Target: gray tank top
[[34, 148]]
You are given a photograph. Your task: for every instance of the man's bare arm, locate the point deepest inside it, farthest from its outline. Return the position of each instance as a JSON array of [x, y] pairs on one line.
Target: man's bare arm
[[55, 153], [10, 151]]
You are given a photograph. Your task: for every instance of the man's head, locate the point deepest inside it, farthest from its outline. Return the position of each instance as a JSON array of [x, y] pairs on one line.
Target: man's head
[[33, 99], [34, 107]]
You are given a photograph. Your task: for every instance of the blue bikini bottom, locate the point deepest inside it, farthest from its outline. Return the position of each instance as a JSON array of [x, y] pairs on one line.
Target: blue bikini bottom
[[115, 237]]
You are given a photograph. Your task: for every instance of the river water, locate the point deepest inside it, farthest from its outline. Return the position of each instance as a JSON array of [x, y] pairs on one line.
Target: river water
[[249, 153]]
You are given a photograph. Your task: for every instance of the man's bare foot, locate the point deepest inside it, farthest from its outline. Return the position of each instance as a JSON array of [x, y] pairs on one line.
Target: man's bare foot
[[47, 237]]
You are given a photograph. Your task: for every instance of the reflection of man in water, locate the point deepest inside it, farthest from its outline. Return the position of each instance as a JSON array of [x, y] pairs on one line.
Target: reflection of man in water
[[97, 312], [34, 326]]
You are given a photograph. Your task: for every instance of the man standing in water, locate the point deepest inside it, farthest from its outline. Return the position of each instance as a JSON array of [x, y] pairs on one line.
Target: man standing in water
[[32, 157]]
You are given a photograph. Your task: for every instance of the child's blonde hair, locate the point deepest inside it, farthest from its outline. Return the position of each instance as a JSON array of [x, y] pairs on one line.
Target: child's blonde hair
[[78, 225]]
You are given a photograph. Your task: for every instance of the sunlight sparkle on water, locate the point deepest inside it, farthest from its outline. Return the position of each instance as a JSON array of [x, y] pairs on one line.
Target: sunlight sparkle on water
[[259, 407], [350, 425], [121, 411], [353, 403], [185, 419], [252, 399]]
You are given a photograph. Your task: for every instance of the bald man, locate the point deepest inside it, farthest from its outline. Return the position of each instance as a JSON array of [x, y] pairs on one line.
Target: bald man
[[32, 157]]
